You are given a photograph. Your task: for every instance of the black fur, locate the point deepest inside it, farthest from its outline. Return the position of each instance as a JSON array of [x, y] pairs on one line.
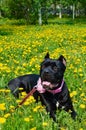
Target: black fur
[[52, 71]]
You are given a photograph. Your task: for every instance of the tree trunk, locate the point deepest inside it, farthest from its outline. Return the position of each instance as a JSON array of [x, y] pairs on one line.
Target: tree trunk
[[60, 13], [73, 11], [54, 8], [40, 16], [0, 14]]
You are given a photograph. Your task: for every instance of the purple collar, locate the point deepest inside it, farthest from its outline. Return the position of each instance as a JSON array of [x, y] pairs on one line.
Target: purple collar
[[40, 88]]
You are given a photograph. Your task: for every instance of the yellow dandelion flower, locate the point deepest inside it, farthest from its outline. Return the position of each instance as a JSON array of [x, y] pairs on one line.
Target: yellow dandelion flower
[[35, 110], [2, 106], [81, 75], [2, 120], [7, 91], [12, 110], [34, 128], [12, 107], [75, 70], [7, 115], [81, 129], [31, 99], [39, 107], [78, 60], [80, 89], [75, 101], [26, 103], [71, 66], [80, 70], [1, 65], [27, 119], [24, 93], [45, 124], [84, 81], [2, 90], [82, 106], [31, 118], [84, 99], [9, 98], [82, 94], [62, 128], [20, 88], [24, 64], [18, 101], [73, 93]]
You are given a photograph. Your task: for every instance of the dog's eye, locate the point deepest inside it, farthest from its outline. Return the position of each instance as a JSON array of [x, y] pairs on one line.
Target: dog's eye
[[55, 68]]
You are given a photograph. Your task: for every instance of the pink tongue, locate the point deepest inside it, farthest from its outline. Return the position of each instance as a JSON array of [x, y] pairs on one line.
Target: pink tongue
[[46, 83]]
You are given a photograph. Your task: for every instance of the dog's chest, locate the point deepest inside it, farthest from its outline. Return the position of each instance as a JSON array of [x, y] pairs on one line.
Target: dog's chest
[[61, 99]]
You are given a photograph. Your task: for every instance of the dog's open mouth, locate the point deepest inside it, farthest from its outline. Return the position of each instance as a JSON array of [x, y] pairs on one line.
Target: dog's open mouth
[[48, 85]]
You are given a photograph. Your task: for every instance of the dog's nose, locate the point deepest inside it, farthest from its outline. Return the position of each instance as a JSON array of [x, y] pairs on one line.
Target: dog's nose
[[46, 71]]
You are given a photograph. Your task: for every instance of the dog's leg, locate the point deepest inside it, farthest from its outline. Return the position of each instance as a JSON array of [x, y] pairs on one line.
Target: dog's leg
[[50, 108], [72, 111], [14, 90], [69, 108], [73, 114]]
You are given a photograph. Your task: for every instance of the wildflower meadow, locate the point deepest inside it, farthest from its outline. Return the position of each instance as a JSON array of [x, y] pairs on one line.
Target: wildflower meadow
[[22, 49]]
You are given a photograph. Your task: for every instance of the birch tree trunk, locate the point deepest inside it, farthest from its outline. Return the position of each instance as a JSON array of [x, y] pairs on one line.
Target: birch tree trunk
[[40, 16], [73, 11], [60, 13]]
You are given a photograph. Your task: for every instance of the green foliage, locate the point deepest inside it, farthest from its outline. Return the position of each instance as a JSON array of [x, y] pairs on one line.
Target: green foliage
[[29, 9], [26, 9], [4, 8], [19, 8]]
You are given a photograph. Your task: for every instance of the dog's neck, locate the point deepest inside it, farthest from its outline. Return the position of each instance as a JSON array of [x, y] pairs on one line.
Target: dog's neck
[[53, 91], [57, 89]]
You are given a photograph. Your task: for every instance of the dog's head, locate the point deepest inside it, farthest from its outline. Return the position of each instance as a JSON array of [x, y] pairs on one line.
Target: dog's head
[[52, 71]]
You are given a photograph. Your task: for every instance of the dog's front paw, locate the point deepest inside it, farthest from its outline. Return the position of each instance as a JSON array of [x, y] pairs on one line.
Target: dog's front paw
[[73, 115]]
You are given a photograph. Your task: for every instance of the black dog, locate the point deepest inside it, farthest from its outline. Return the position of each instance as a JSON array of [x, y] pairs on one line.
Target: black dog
[[50, 86]]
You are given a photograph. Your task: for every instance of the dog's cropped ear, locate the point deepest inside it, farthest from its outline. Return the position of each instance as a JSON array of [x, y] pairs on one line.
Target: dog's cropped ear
[[62, 59], [47, 55]]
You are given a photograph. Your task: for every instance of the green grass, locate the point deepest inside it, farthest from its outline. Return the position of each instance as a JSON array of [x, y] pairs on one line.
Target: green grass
[[22, 48]]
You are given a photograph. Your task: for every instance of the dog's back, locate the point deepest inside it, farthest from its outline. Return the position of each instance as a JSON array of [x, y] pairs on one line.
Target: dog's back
[[26, 82]]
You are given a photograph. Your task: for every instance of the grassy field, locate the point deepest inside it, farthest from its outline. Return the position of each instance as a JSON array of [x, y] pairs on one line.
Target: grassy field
[[22, 48]]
